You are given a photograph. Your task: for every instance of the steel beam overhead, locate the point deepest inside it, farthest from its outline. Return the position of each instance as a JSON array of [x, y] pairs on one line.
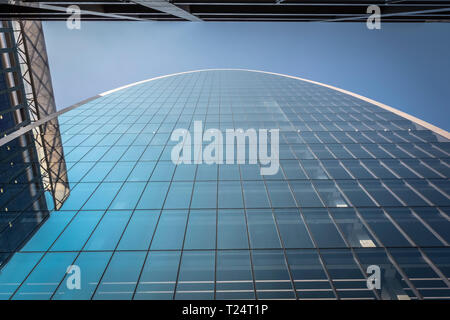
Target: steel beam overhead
[[232, 10], [167, 7]]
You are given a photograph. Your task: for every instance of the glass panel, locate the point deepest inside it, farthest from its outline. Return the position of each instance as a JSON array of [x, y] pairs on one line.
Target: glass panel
[[158, 276], [322, 228], [201, 230], [120, 279], [262, 229], [232, 230], [169, 233], [45, 277], [196, 279], [139, 231], [388, 234], [272, 278], [292, 229], [309, 277], [234, 276]]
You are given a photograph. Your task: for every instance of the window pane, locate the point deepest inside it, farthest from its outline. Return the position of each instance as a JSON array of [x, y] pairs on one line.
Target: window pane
[[292, 229], [232, 230], [120, 279], [158, 276], [271, 275], [234, 276], [322, 228], [139, 231], [196, 280], [262, 229], [169, 233], [205, 195], [201, 230]]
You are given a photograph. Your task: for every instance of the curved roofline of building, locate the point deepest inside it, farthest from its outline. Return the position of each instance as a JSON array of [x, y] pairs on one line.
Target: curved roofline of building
[[422, 123], [425, 124]]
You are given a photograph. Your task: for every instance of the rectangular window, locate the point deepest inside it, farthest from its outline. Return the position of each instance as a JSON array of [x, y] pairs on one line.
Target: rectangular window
[[46, 276], [271, 275], [139, 231], [196, 279], [232, 230], [201, 230], [262, 229], [169, 233], [347, 277], [305, 194], [280, 194], [153, 195], [158, 276], [355, 194], [230, 194], [310, 280], [234, 276], [322, 228], [383, 228], [292, 229], [179, 195], [204, 195], [120, 279], [255, 194]]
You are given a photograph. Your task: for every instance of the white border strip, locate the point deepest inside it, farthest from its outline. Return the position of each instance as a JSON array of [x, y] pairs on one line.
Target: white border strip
[[424, 124]]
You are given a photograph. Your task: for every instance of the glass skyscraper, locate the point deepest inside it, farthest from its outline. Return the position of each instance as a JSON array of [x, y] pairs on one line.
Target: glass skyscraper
[[358, 185]]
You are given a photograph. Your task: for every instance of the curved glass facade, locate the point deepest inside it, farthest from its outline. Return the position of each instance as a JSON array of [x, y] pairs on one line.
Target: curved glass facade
[[357, 186]]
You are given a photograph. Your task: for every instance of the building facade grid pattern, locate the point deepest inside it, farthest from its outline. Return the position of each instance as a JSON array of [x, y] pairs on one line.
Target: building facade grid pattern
[[357, 186]]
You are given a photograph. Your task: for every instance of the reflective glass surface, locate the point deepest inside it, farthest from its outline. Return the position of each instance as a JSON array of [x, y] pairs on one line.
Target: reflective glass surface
[[357, 186]]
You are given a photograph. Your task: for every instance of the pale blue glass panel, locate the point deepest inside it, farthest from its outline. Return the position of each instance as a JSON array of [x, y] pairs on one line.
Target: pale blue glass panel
[[204, 195], [262, 229], [158, 276], [78, 196], [139, 231], [142, 171], [280, 194], [185, 172], [271, 275], [196, 277], [230, 194], [102, 196], [49, 231], [163, 171], [179, 195], [108, 231], [292, 229], [170, 230], [128, 195], [322, 228], [305, 194], [255, 194], [92, 265], [98, 172], [232, 230], [234, 275], [78, 231], [44, 279], [15, 271], [153, 195], [120, 279], [120, 171], [201, 230]]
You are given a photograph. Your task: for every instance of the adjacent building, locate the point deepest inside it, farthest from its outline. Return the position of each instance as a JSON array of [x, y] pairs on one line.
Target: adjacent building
[[31, 157]]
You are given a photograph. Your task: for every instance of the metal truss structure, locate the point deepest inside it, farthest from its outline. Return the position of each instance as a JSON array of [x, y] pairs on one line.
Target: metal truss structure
[[32, 89], [231, 10]]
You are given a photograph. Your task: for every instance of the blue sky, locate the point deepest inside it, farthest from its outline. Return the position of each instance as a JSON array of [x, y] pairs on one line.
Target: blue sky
[[406, 66]]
